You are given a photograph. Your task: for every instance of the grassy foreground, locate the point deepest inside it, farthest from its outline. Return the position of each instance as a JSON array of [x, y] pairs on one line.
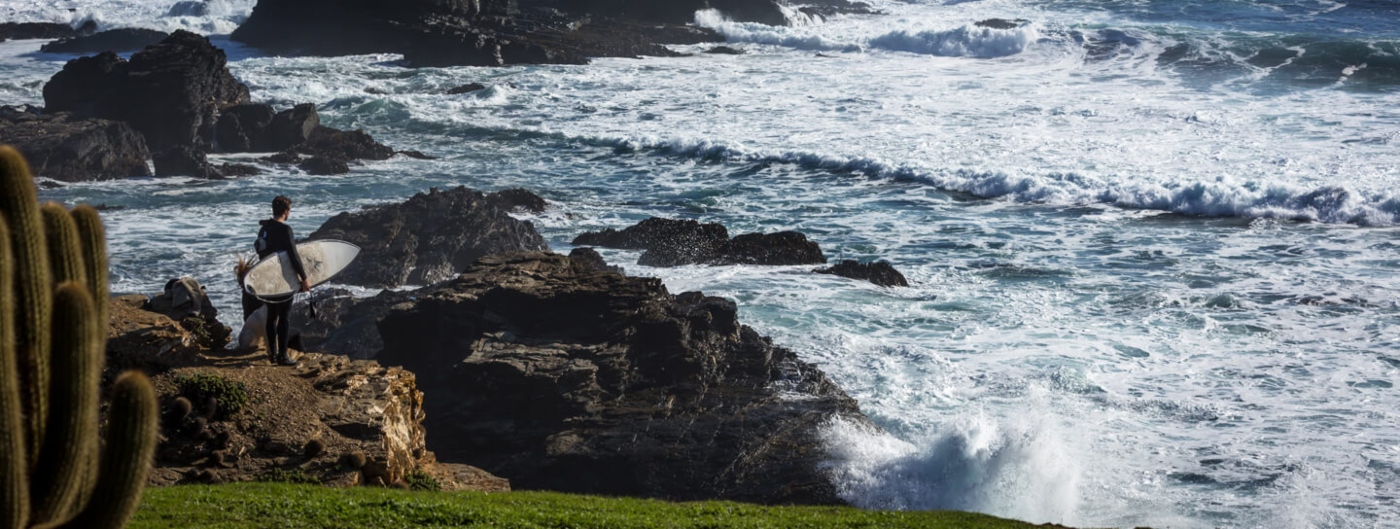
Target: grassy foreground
[[287, 506]]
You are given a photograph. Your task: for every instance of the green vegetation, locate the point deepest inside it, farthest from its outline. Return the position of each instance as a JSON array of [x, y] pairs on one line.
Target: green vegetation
[[230, 396], [286, 506], [420, 480], [278, 475]]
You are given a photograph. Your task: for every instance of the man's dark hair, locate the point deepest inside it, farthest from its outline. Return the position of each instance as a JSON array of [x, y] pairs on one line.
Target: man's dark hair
[[280, 205]]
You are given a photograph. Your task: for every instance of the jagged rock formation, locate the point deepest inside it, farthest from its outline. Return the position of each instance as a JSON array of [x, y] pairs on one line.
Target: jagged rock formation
[[681, 242], [880, 272], [430, 237], [43, 30], [171, 92], [561, 376], [344, 406], [115, 40], [63, 147]]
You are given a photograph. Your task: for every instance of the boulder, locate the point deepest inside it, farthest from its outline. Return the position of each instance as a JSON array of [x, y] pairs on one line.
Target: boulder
[[466, 88], [63, 147], [243, 128], [115, 40], [429, 238], [558, 375], [324, 165], [682, 242], [344, 145], [42, 30], [171, 92], [879, 272], [292, 127], [184, 160]]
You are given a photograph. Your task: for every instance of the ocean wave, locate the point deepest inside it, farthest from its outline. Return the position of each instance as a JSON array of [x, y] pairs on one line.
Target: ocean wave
[[977, 464], [1221, 197], [799, 37], [966, 41]]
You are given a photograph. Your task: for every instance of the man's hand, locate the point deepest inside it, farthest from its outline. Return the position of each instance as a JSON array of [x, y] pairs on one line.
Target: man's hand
[[305, 285]]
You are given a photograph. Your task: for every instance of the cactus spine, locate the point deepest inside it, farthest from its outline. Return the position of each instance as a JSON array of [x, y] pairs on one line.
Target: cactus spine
[[33, 289], [14, 496], [126, 461], [52, 346]]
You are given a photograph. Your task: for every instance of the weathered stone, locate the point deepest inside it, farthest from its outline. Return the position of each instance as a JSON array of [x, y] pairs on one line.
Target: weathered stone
[[42, 30], [171, 92], [325, 165], [115, 40], [63, 147], [183, 160], [681, 242], [243, 128], [466, 88], [880, 272], [292, 127], [428, 238], [344, 145]]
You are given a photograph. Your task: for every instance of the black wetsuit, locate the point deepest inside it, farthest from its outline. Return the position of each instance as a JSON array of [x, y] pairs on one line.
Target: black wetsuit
[[272, 238]]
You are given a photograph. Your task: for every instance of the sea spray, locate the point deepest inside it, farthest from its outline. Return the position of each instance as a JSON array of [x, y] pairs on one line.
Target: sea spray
[[1019, 468]]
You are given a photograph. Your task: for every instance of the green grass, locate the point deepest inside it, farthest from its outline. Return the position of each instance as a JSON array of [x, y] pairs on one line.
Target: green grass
[[289, 506]]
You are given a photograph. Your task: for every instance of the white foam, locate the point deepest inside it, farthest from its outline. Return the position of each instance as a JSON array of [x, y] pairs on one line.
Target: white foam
[[965, 41]]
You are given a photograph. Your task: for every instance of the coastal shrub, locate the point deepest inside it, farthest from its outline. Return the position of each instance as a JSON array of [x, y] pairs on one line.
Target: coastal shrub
[[277, 475], [420, 480], [230, 395]]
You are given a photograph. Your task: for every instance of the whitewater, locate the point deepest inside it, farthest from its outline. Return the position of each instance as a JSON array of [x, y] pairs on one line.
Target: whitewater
[[1152, 244]]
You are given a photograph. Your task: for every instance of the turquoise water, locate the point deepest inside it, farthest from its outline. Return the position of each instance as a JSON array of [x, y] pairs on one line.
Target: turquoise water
[[1152, 244]]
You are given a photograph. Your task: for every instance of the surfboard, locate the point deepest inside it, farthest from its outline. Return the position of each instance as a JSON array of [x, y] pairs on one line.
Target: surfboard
[[273, 279]]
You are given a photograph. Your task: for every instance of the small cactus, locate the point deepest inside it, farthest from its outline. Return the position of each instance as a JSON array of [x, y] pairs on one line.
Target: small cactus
[[180, 410], [53, 296], [314, 448], [211, 408], [199, 428], [353, 460]]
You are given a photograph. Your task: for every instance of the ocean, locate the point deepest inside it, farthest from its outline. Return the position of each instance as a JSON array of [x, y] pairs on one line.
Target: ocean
[[1152, 244]]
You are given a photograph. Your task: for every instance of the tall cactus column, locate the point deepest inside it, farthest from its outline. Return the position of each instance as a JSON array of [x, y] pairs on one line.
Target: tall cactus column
[[53, 320]]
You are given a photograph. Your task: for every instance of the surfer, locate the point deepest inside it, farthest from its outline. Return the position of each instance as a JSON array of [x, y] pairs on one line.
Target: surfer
[[276, 236]]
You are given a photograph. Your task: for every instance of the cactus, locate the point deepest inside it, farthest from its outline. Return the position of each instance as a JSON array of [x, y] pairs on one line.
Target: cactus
[[14, 496], [65, 460], [19, 205], [53, 295], [126, 461]]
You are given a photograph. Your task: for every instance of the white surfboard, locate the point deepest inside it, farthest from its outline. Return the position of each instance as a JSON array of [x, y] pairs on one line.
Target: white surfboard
[[273, 278]]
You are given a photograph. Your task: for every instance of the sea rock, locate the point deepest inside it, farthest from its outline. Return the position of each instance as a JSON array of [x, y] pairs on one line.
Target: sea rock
[[466, 88], [455, 32], [560, 376], [115, 40], [43, 30], [292, 127], [879, 272], [344, 145], [171, 92], [681, 242], [243, 128], [63, 147], [724, 50], [324, 165], [429, 238], [184, 160]]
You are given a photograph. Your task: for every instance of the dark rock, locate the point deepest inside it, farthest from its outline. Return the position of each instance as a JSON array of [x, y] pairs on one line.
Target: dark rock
[[777, 249], [428, 238], [184, 161], [681, 242], [517, 198], [456, 32], [345, 145], [560, 376], [63, 147], [237, 169], [469, 87], [292, 127], [589, 259], [41, 30], [243, 128], [171, 92], [288, 156], [325, 165], [880, 272], [1000, 23], [725, 50], [417, 155], [116, 40]]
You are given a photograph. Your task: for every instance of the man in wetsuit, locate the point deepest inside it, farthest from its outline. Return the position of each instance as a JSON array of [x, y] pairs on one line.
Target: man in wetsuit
[[276, 236]]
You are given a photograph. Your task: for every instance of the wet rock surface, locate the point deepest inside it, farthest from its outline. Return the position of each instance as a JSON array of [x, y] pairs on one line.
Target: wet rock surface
[[681, 242], [559, 375], [430, 237], [115, 40], [880, 272], [64, 147], [42, 30]]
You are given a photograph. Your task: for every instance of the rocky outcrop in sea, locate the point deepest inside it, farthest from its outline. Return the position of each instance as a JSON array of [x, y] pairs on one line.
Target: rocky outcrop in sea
[[671, 242], [65, 147]]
